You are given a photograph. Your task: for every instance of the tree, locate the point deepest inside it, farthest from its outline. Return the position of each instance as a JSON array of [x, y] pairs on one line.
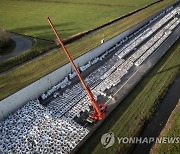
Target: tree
[[4, 38]]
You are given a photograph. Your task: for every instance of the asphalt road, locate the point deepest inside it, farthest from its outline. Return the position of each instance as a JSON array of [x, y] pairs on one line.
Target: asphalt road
[[22, 44]]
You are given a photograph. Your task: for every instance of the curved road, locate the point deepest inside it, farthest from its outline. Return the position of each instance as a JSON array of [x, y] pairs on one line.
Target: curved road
[[22, 44]]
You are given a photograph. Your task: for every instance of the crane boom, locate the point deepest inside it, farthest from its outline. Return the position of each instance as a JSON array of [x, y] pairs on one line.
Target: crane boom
[[98, 114]]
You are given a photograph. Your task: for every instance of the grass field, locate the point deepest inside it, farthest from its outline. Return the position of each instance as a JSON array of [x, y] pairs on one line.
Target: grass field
[[70, 16], [20, 77], [128, 119], [172, 129]]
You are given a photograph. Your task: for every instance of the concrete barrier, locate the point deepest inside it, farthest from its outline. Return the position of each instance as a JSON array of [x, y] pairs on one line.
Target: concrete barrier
[[34, 90]]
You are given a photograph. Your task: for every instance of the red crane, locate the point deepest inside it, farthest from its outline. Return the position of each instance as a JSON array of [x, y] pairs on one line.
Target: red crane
[[99, 109]]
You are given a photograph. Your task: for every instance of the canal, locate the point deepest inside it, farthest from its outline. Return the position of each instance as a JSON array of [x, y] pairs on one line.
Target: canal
[[160, 117]]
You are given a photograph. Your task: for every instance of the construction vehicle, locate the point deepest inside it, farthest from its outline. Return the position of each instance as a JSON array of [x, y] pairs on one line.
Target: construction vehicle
[[99, 110], [92, 115]]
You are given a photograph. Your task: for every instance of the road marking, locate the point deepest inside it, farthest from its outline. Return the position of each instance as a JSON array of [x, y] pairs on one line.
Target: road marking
[[122, 86]]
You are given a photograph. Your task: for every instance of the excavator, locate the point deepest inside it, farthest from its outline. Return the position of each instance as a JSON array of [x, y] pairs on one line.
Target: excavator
[[98, 111]]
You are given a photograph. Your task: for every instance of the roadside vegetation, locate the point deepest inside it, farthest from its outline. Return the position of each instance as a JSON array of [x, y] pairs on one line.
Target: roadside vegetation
[[39, 47], [172, 129], [133, 113], [6, 44], [17, 78]]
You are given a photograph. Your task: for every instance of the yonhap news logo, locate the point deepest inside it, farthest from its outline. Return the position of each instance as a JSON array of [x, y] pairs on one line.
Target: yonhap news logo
[[107, 140]]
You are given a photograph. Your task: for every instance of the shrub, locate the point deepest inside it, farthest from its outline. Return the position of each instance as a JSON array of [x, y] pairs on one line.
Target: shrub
[[4, 38]]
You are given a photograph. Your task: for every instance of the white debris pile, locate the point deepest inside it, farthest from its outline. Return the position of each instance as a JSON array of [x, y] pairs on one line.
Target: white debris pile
[[82, 106], [147, 49], [61, 85], [32, 129], [152, 49], [95, 60], [105, 54], [72, 75], [130, 46], [114, 78], [83, 68], [119, 62], [63, 103]]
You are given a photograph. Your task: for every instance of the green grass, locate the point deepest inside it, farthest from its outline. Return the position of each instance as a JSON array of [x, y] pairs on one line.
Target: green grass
[[38, 49], [128, 119], [20, 77], [28, 16], [172, 129]]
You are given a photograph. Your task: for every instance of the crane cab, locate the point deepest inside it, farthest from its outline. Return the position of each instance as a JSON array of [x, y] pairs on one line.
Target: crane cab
[[93, 117]]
